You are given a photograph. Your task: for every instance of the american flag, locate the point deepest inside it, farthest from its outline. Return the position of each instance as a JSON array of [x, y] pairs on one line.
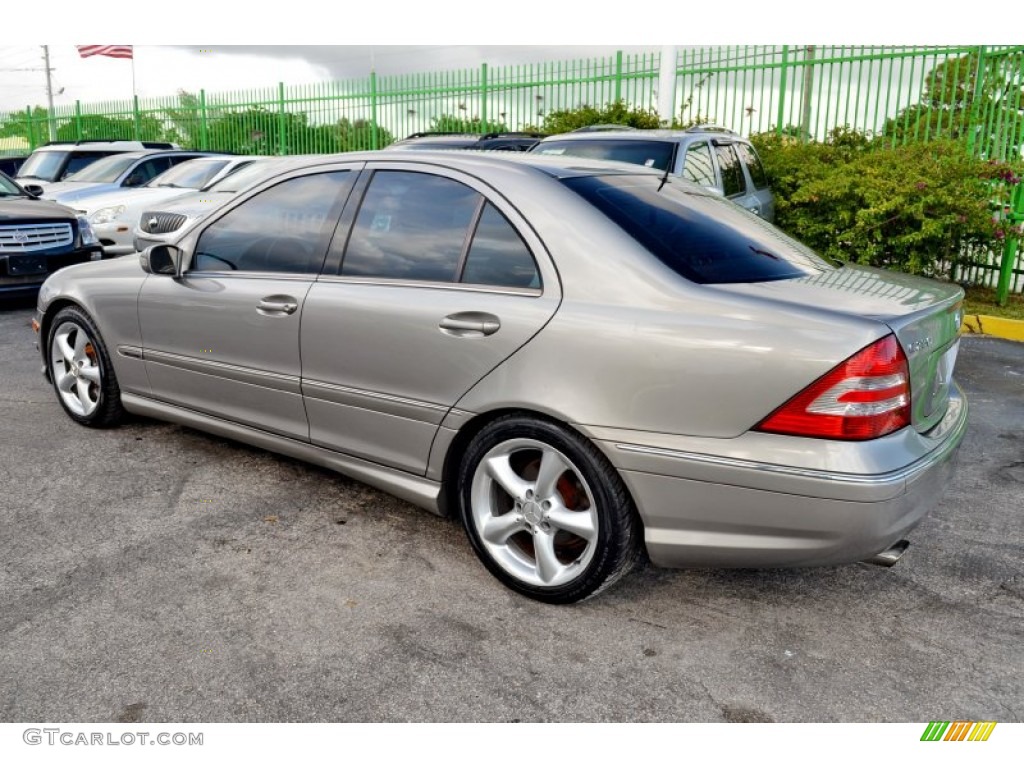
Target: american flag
[[115, 51]]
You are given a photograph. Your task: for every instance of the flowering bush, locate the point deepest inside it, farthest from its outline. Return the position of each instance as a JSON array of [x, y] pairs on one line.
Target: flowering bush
[[913, 207]]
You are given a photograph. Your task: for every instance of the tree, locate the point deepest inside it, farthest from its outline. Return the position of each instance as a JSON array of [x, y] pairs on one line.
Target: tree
[[615, 113], [971, 97], [459, 124]]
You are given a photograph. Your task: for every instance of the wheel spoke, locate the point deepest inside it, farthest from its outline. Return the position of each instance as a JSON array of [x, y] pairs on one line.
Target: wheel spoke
[[552, 467], [578, 523], [65, 382], [501, 471], [498, 529], [65, 349], [91, 372], [83, 393], [548, 567], [81, 340]]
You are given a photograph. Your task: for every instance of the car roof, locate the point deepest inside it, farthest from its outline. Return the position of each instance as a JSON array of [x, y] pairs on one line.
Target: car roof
[[557, 166], [668, 134]]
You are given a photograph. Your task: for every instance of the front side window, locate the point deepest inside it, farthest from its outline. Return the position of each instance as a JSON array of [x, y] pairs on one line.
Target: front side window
[[411, 226], [282, 229], [698, 166], [146, 171], [733, 182]]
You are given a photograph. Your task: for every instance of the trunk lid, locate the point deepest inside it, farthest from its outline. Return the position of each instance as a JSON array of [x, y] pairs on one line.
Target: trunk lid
[[924, 314]]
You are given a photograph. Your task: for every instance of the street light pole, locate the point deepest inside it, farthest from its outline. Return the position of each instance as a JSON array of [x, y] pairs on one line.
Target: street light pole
[[49, 94]]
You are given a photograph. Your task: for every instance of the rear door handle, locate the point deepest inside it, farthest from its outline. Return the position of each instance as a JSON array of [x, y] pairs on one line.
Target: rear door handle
[[470, 324], [277, 305]]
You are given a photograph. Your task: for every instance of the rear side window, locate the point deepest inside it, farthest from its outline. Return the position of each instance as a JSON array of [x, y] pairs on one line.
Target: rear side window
[[733, 182], [411, 226], [418, 226], [753, 163], [698, 166], [653, 154], [498, 256], [702, 237]]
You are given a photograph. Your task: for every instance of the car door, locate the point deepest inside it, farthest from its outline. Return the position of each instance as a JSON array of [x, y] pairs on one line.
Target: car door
[[223, 338], [438, 282]]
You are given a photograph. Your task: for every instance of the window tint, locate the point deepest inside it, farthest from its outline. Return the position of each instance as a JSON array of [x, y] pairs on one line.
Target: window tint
[[653, 154], [698, 166], [282, 229], [146, 171], [700, 236], [411, 226], [753, 163], [733, 182], [498, 256]]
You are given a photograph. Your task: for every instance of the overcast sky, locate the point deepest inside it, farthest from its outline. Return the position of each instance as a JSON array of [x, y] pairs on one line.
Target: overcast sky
[[420, 36]]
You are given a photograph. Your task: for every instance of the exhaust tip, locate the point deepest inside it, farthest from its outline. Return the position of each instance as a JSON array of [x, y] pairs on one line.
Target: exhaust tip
[[889, 557]]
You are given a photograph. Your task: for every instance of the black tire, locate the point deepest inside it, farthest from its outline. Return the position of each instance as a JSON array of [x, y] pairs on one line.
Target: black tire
[[100, 406], [526, 527]]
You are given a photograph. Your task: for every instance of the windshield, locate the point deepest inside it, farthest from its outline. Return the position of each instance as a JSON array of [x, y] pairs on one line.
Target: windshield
[[8, 187], [105, 170], [243, 179], [42, 165], [194, 174], [653, 154], [702, 237]]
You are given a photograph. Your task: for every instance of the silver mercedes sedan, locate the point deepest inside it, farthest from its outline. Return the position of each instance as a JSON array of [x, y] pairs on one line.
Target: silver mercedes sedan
[[580, 360]]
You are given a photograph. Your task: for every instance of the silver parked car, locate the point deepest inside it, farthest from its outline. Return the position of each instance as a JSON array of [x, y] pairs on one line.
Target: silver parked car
[[581, 360], [714, 157]]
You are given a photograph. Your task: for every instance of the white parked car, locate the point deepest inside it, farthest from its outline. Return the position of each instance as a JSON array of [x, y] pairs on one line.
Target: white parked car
[[115, 214]]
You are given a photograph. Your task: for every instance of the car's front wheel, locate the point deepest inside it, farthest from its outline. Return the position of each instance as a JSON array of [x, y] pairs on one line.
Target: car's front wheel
[[81, 372], [545, 511]]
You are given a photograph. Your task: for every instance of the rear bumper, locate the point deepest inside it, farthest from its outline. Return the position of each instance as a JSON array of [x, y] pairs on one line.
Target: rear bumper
[[701, 510]]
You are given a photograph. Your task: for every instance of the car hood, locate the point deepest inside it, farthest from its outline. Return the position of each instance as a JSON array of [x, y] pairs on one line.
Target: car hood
[[26, 209], [70, 192], [131, 198], [924, 314], [195, 203]]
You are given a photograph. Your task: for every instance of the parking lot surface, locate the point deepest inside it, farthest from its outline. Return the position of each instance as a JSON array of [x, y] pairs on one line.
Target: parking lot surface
[[154, 573]]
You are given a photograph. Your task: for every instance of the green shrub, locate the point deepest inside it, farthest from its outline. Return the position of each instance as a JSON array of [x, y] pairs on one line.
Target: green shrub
[[910, 208]]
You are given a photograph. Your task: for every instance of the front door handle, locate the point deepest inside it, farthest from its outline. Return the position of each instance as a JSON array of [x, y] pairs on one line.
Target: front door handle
[[470, 324], [277, 305]]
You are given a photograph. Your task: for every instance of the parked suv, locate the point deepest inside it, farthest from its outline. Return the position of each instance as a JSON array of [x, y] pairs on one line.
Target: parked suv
[[38, 237], [714, 157], [510, 142], [58, 159]]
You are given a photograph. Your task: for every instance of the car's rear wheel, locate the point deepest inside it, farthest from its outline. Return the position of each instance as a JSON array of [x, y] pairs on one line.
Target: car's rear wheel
[[81, 372], [545, 511]]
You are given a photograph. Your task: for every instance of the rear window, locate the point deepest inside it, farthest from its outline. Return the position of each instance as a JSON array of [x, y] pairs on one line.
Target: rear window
[[753, 163], [702, 237], [653, 154]]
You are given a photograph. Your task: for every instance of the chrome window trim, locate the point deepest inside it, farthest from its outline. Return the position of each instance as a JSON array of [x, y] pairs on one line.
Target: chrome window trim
[[398, 283]]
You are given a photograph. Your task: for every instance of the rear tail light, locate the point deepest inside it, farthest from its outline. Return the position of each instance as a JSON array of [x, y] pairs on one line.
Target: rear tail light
[[866, 396]]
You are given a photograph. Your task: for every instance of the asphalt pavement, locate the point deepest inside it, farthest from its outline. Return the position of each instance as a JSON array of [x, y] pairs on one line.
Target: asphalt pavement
[[154, 573]]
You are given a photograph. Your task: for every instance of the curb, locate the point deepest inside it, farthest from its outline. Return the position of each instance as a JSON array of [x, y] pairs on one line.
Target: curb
[[1001, 327]]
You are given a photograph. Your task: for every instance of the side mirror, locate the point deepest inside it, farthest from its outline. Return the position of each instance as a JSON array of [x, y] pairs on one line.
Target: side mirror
[[161, 260], [33, 189]]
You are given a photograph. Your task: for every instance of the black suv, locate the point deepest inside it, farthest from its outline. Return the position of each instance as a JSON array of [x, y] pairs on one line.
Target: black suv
[[508, 142], [37, 238]]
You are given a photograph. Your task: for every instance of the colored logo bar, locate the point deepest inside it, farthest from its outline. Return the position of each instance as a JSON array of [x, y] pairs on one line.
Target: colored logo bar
[[958, 730]]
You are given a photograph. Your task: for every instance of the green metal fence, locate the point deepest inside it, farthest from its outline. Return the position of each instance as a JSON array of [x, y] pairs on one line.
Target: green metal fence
[[904, 93]]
